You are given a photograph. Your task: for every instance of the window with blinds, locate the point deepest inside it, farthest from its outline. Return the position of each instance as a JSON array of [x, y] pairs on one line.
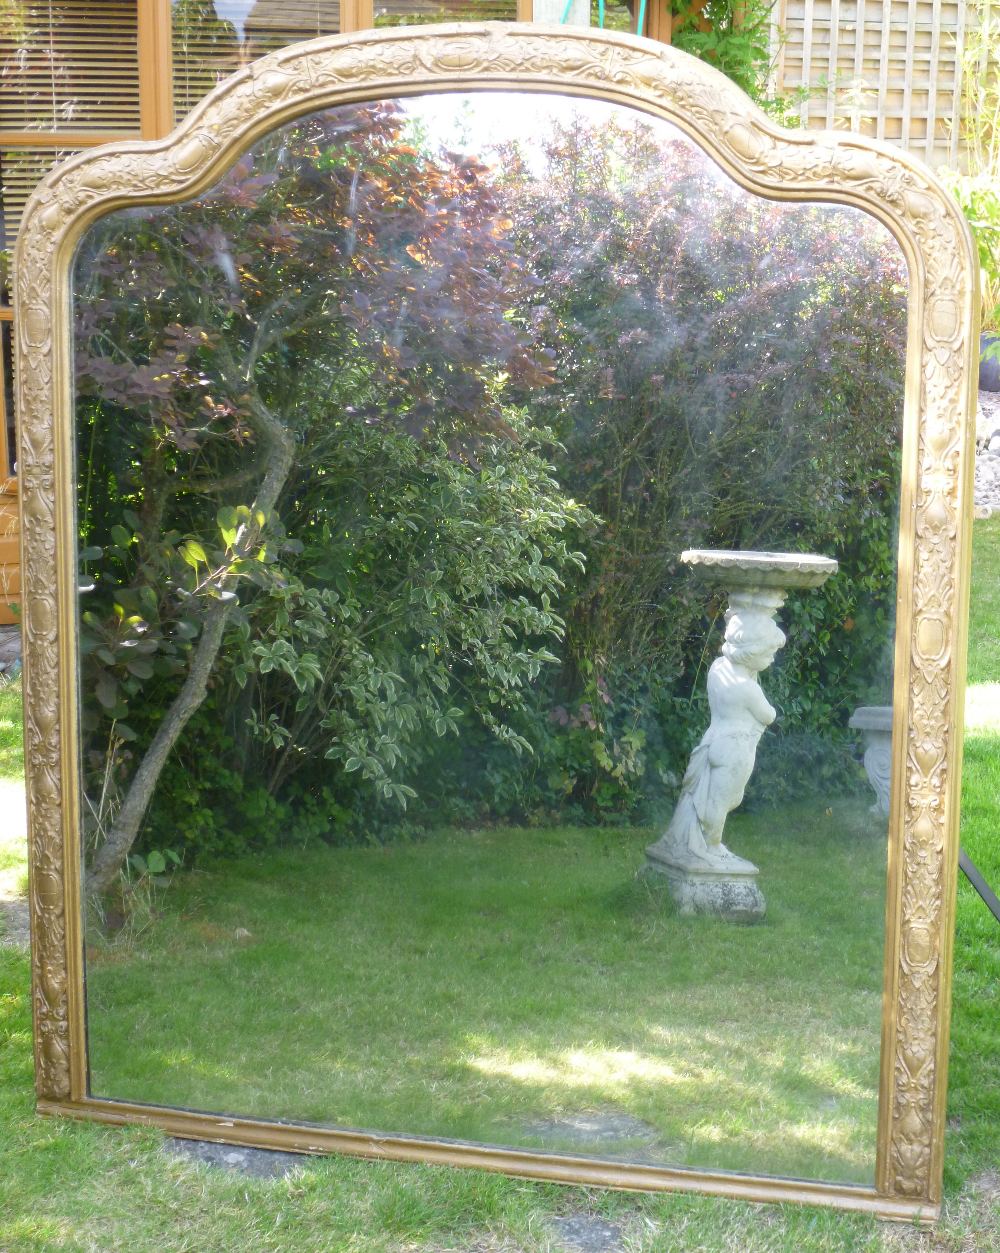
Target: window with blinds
[[69, 65], [20, 170], [612, 14], [212, 40], [7, 438], [416, 12]]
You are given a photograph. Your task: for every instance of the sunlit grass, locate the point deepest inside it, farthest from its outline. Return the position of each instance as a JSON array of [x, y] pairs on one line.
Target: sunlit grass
[[973, 1140], [11, 731], [984, 618], [13, 845], [982, 696], [982, 708], [479, 983]]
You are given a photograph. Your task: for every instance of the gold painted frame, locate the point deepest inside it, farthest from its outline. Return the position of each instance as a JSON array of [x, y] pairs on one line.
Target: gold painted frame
[[934, 546]]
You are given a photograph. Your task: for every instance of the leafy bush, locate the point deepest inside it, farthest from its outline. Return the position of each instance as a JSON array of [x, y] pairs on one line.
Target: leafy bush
[[716, 388], [266, 375], [486, 406], [732, 36]]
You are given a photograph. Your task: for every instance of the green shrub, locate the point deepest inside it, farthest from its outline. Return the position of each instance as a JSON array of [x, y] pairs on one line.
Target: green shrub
[[715, 389], [977, 185], [509, 416]]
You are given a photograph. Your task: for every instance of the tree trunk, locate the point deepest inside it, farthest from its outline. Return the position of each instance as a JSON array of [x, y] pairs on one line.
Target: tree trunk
[[111, 855]]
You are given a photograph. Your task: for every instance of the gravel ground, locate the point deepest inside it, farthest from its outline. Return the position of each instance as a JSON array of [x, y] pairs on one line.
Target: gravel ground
[[987, 494]]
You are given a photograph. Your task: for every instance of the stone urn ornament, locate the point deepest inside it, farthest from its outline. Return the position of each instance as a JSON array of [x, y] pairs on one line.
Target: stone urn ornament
[[704, 876], [876, 723]]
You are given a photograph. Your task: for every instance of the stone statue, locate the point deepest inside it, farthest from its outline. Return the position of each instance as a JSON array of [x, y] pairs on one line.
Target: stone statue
[[721, 765], [704, 876]]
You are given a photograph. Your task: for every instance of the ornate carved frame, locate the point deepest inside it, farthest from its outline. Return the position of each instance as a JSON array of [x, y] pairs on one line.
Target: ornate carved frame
[[933, 546]]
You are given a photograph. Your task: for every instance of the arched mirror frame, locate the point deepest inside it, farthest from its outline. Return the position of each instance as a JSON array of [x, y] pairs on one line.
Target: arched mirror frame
[[933, 546]]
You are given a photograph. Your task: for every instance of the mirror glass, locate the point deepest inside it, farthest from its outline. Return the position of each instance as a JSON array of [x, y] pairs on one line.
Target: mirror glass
[[391, 669]]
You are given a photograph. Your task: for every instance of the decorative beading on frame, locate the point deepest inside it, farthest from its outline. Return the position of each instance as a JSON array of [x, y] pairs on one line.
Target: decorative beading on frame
[[790, 165], [48, 885]]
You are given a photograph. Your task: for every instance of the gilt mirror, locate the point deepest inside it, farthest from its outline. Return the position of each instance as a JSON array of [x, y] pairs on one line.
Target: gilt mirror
[[494, 549]]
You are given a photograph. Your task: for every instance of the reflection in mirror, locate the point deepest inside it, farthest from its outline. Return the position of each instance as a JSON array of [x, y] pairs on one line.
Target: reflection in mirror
[[210, 41], [388, 447]]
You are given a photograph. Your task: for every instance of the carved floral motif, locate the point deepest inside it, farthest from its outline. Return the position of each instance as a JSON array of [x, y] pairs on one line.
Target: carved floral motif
[[847, 169]]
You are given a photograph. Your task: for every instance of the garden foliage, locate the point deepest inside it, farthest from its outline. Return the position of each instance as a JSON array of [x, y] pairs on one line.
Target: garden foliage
[[976, 186], [735, 37], [419, 436]]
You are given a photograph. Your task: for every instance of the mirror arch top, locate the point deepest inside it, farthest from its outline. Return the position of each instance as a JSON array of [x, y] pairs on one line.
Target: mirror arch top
[[935, 509]]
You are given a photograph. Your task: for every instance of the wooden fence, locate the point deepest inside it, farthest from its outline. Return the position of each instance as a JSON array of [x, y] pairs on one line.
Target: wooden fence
[[889, 68]]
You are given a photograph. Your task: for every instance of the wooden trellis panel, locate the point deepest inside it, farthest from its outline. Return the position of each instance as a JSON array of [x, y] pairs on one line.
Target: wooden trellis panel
[[890, 68]]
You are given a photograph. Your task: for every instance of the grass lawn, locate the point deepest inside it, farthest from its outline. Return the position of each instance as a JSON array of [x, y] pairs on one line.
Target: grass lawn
[[13, 863], [501, 985], [77, 1186], [11, 732]]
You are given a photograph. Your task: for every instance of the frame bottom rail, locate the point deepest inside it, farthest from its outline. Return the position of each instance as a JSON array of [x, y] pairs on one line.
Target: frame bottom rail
[[549, 1168]]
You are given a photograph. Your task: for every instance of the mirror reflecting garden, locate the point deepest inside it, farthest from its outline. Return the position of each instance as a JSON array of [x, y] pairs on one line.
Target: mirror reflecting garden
[[395, 454]]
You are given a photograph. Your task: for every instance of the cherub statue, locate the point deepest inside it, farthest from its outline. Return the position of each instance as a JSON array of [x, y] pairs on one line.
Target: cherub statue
[[721, 765]]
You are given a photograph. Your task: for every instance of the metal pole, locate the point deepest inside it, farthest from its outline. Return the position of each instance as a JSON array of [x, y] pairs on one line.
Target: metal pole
[[980, 884]]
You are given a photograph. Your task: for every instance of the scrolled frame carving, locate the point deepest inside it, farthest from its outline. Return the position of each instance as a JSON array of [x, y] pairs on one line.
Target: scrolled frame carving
[[933, 554]]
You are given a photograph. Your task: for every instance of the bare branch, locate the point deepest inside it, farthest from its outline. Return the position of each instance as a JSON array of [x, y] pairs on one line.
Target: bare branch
[[111, 855]]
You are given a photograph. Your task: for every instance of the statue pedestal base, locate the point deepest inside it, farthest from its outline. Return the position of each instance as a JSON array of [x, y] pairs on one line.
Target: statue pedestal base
[[876, 722], [728, 893]]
